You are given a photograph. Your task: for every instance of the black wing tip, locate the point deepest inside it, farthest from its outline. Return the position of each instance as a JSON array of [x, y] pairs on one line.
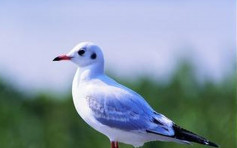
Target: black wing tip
[[209, 143], [184, 134]]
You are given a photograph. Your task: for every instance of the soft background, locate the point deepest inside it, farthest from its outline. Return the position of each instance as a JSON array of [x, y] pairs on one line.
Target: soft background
[[179, 55]]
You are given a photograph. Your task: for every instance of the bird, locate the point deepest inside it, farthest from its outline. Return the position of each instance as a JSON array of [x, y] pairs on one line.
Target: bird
[[116, 111]]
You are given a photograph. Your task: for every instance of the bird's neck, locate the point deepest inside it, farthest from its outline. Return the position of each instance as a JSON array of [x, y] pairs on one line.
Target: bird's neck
[[89, 72]]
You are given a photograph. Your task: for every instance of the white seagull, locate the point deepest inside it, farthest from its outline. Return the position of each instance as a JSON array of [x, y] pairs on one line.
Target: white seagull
[[115, 110]]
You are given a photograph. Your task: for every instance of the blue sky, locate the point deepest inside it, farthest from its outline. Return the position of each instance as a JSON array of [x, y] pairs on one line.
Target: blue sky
[[137, 37]]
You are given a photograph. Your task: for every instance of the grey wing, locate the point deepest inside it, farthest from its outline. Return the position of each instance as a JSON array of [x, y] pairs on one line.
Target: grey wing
[[129, 114]]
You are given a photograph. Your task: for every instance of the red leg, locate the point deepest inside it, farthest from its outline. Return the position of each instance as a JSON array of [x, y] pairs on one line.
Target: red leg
[[116, 145], [112, 144]]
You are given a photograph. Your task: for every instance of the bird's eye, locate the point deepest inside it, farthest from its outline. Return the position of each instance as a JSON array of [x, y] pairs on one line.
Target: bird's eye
[[93, 56], [81, 52]]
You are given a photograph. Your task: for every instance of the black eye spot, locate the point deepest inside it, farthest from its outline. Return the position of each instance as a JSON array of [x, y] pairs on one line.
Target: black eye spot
[[81, 52], [93, 56]]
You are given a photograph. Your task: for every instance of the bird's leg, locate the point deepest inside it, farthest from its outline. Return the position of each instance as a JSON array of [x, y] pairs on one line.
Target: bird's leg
[[116, 145], [112, 144]]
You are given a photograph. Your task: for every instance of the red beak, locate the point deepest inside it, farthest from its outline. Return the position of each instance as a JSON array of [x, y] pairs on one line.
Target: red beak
[[62, 57]]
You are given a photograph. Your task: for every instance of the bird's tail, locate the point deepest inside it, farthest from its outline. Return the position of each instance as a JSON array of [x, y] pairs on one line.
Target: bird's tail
[[185, 135]]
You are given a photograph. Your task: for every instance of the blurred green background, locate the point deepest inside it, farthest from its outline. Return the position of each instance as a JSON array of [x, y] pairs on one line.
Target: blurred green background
[[144, 44], [43, 121]]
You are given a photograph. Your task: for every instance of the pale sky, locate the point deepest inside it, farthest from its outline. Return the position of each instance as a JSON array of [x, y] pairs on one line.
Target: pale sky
[[137, 38]]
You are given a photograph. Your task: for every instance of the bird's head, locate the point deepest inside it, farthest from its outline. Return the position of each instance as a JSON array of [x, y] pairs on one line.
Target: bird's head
[[83, 55]]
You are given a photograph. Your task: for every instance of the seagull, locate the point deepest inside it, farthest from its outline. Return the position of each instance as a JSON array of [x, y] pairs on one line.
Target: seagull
[[115, 110]]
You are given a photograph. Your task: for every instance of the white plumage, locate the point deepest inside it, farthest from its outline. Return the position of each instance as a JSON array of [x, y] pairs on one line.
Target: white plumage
[[115, 110]]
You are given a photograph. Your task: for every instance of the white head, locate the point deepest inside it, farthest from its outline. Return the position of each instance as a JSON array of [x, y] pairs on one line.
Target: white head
[[85, 55]]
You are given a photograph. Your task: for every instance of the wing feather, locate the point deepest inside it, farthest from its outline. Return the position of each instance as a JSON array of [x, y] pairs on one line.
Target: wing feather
[[126, 110]]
